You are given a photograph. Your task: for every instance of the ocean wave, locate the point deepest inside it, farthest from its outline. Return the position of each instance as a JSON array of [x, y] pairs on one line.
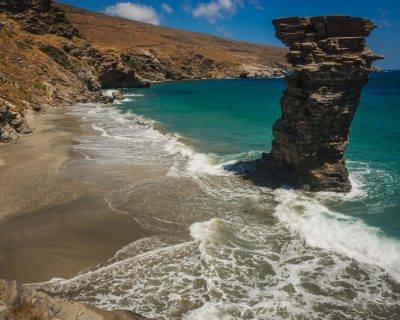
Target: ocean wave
[[133, 95], [109, 92], [117, 125], [307, 215], [103, 132], [208, 311], [196, 163], [120, 102], [326, 229], [253, 251]]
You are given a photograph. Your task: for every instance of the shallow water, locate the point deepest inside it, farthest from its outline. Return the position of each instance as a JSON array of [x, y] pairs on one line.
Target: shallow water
[[224, 249]]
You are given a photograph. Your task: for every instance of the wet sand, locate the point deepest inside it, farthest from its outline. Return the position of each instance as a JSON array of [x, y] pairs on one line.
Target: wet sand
[[53, 224]]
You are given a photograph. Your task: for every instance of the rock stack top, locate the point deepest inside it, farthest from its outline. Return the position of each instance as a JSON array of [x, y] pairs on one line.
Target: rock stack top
[[336, 39], [330, 66], [313, 29]]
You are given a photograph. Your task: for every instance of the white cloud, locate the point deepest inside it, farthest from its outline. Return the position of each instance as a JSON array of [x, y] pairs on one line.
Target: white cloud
[[224, 31], [216, 9], [134, 11], [383, 20], [256, 4], [167, 8], [383, 13]]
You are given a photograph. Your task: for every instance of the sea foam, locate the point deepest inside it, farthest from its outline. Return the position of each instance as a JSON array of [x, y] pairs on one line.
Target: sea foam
[[323, 228], [253, 252]]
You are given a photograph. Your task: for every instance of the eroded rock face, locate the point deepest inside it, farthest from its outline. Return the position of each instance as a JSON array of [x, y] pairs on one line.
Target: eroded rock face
[[51, 71], [40, 17], [115, 72], [12, 123], [330, 66]]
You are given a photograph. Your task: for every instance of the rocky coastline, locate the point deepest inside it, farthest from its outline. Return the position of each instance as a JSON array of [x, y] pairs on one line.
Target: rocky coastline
[[47, 62], [331, 64], [19, 302], [162, 54]]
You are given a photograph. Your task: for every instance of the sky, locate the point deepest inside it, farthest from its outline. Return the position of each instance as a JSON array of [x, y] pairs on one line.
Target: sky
[[250, 20]]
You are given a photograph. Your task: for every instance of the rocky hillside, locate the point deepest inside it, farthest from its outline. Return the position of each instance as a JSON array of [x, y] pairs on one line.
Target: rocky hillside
[[159, 53], [45, 61], [53, 54]]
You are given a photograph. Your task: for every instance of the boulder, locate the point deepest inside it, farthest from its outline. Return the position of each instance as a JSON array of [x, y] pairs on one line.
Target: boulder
[[25, 303], [12, 122], [118, 95]]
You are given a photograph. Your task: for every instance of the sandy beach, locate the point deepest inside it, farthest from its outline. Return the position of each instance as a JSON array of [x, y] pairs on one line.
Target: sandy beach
[[54, 223]]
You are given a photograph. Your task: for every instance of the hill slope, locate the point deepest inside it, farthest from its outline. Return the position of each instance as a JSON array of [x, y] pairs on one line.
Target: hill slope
[[44, 61], [49, 58], [159, 53]]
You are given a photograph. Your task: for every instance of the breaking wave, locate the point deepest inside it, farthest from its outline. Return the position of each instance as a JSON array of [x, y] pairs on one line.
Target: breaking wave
[[225, 249]]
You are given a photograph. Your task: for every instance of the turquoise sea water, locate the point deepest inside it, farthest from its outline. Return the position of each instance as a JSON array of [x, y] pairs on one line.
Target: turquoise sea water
[[221, 248], [234, 118]]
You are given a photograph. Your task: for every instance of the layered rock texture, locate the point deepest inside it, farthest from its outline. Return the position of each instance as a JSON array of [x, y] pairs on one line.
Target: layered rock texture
[[23, 303], [330, 66]]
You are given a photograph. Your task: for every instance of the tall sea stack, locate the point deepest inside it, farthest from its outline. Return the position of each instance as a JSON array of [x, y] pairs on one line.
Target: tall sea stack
[[331, 64]]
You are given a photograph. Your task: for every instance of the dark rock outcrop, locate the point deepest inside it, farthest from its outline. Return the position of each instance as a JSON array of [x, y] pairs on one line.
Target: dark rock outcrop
[[40, 17], [24, 303], [330, 66], [115, 72], [118, 95], [42, 71]]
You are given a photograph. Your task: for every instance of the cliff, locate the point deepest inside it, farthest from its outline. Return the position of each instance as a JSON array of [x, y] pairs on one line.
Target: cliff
[[331, 64], [54, 54], [160, 53], [45, 61]]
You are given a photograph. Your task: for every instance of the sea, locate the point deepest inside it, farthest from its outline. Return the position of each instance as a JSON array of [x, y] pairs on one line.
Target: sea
[[222, 248]]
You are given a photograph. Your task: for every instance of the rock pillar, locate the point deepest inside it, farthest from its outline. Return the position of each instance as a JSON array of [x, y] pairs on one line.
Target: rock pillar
[[331, 64]]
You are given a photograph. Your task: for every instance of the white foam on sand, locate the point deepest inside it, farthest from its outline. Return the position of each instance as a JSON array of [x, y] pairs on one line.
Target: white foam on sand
[[251, 257], [208, 311], [305, 215], [123, 129], [196, 163]]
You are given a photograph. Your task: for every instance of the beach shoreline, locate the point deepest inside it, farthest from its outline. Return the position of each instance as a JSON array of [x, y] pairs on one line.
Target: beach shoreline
[[199, 220], [55, 223]]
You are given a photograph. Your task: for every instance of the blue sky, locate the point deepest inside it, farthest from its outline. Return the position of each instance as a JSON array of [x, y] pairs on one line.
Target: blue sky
[[250, 20]]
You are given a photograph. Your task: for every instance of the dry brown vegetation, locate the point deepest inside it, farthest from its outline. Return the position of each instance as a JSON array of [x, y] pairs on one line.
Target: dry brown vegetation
[[51, 58], [29, 75], [175, 47]]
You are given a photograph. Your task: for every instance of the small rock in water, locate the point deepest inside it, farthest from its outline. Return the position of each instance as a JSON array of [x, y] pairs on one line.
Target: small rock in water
[[118, 95]]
